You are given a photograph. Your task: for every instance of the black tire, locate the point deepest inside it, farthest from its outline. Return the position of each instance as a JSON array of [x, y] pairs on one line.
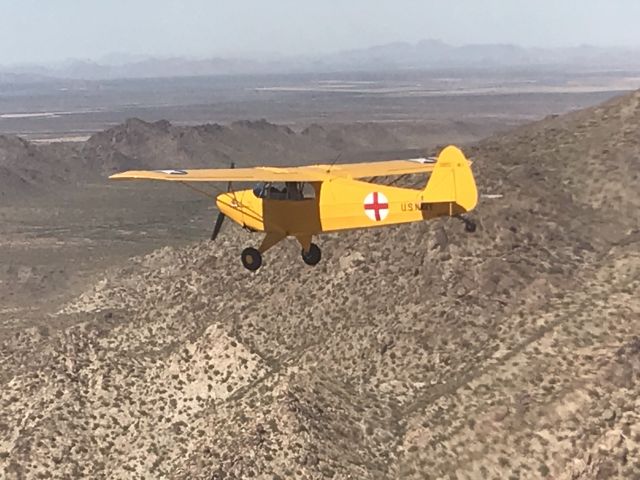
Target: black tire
[[470, 226], [313, 256], [251, 259]]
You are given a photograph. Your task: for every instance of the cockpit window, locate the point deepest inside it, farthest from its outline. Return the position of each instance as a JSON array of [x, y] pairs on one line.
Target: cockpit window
[[308, 191], [259, 190], [284, 191]]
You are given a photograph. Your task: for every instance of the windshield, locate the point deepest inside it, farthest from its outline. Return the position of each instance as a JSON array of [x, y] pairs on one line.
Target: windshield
[[280, 191]]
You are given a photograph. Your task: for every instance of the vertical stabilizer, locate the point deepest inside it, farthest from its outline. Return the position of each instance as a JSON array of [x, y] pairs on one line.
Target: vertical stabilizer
[[452, 182]]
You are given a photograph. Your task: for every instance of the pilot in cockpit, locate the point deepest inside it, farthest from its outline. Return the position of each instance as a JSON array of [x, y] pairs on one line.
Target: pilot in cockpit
[[290, 191], [293, 191]]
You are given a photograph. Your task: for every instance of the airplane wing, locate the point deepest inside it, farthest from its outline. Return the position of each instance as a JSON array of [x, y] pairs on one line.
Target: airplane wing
[[257, 174], [383, 169], [311, 173]]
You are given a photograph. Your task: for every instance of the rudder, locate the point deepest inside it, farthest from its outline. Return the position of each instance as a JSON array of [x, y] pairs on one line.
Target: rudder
[[452, 182]]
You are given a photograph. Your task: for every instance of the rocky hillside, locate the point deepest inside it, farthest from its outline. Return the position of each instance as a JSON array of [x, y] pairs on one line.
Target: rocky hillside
[[410, 352], [161, 145], [595, 153], [25, 167], [28, 168]]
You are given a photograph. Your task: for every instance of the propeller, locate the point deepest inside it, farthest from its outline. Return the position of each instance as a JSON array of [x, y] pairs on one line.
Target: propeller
[[221, 216], [217, 226]]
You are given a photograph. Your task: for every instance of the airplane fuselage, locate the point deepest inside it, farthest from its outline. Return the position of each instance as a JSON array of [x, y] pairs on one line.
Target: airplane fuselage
[[339, 204]]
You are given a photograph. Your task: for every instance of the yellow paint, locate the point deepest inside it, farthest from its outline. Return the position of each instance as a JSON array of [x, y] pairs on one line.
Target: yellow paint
[[308, 173], [340, 200]]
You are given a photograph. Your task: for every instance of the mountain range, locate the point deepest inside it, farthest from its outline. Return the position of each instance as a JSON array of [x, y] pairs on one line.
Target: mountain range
[[423, 55]]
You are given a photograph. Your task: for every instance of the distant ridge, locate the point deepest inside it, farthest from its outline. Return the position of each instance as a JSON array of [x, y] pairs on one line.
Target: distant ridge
[[426, 54], [26, 167]]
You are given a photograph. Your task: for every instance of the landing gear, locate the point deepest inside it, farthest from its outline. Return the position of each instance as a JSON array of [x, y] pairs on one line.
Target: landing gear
[[313, 256], [469, 225], [251, 259]]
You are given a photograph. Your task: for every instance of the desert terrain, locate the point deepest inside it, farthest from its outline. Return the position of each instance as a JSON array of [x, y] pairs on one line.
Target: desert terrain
[[450, 102], [132, 347]]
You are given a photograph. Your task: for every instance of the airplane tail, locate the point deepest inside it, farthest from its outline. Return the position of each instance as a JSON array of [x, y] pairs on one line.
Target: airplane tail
[[452, 183]]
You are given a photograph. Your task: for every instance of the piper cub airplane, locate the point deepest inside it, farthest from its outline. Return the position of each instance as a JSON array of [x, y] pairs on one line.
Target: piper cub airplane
[[329, 198]]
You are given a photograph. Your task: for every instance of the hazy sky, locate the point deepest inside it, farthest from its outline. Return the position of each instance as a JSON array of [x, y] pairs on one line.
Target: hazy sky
[[52, 30]]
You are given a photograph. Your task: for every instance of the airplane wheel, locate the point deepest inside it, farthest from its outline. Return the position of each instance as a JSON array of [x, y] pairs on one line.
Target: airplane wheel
[[313, 256], [470, 226], [251, 259]]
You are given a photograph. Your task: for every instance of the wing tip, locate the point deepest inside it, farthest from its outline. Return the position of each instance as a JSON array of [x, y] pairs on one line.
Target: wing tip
[[119, 176]]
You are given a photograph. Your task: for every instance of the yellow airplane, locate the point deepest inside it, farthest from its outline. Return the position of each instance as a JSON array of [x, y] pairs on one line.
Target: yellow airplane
[[329, 198]]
